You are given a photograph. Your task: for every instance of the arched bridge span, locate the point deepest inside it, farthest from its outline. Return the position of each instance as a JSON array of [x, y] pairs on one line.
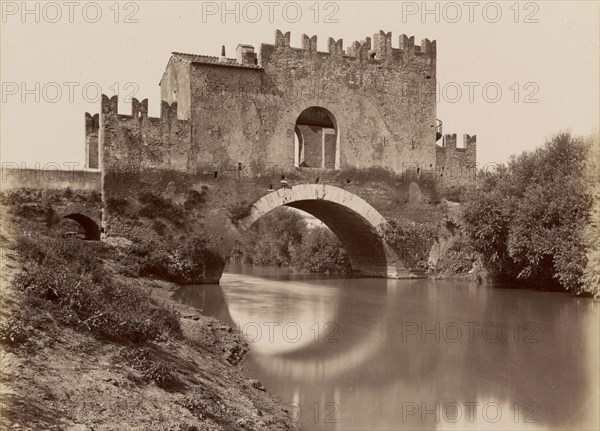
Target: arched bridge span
[[357, 224]]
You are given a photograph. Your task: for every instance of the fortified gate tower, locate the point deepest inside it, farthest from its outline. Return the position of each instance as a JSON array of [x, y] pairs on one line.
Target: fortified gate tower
[[371, 105], [284, 126]]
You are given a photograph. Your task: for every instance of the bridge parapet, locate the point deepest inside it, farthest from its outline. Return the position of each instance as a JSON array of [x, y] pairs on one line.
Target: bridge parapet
[[49, 179]]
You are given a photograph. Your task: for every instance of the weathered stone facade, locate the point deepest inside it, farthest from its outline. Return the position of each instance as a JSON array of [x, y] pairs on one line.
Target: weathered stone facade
[[243, 113], [456, 166], [381, 99], [240, 129]]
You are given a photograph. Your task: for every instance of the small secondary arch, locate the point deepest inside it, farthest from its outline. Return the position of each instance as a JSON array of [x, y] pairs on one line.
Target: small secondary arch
[[90, 227]]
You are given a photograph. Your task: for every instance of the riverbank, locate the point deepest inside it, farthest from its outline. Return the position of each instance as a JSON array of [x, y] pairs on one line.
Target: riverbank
[[61, 376]]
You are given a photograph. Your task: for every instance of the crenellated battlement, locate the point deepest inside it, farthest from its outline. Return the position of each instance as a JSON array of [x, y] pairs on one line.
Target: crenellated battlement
[[450, 141], [282, 40], [335, 47], [379, 47], [91, 124], [456, 165], [470, 142], [139, 109], [140, 139], [168, 112], [309, 44], [360, 50]]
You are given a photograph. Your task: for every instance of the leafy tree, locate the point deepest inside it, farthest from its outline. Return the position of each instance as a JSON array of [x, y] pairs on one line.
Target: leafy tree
[[282, 238], [591, 277], [270, 239], [320, 251], [411, 242], [528, 218]]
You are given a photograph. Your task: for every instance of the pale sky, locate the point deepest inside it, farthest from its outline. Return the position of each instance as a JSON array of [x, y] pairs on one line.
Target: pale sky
[[554, 61]]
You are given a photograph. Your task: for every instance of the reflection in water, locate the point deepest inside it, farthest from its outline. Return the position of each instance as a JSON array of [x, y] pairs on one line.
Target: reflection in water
[[413, 354]]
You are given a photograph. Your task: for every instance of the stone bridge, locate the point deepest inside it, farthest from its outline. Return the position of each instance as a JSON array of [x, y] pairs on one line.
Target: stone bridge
[[356, 224], [347, 135], [74, 194]]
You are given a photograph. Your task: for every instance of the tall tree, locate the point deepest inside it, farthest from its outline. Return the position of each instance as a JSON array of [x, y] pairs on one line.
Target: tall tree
[[528, 219]]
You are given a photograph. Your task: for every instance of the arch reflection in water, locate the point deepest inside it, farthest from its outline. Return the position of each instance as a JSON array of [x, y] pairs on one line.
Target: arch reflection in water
[[375, 372]]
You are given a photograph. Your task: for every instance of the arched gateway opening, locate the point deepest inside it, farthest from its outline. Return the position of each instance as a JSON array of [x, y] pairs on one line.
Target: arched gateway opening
[[356, 223], [316, 139]]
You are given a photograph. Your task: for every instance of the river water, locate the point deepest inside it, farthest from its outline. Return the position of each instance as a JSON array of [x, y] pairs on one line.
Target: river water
[[376, 354]]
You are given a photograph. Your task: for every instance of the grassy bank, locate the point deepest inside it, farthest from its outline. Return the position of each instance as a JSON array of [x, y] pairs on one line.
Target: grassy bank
[[85, 346]]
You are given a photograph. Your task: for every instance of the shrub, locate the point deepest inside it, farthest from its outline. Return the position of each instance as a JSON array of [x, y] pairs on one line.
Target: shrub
[[188, 261], [154, 206], [459, 258], [238, 211], [453, 193], [151, 366], [320, 251], [270, 239], [117, 206], [14, 331], [194, 258], [32, 210], [591, 276], [159, 227], [66, 277], [194, 199], [20, 196], [412, 243], [94, 196], [528, 218], [374, 174]]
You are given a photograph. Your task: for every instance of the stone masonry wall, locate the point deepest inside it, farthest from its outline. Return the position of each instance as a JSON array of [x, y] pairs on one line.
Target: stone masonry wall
[[456, 166], [226, 135], [140, 141], [382, 99]]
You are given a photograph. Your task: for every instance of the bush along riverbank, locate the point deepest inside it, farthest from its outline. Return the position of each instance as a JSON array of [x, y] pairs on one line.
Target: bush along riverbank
[[283, 238], [85, 346], [536, 219]]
